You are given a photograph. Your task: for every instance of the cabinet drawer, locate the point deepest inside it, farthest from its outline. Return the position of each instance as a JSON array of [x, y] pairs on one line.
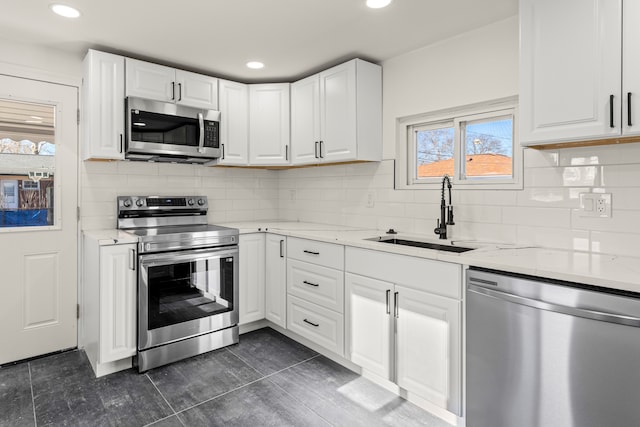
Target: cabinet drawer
[[323, 327], [320, 285], [438, 277], [321, 253]]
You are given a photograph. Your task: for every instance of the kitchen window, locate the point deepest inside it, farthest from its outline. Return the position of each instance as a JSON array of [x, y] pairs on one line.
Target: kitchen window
[[476, 146]]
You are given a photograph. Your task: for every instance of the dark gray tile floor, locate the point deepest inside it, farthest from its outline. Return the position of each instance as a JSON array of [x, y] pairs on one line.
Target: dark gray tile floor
[[266, 380]]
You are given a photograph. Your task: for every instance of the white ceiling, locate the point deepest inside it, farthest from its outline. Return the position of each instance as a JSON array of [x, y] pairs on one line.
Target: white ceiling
[[294, 38]]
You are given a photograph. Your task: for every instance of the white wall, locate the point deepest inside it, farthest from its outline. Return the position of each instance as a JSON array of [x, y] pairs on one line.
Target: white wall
[[473, 67]]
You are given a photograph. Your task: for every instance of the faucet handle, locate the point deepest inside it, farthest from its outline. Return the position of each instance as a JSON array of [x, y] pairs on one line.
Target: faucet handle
[[450, 216]]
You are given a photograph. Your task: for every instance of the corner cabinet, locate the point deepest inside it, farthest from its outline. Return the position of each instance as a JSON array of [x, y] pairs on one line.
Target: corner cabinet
[[109, 307], [234, 123], [336, 115], [405, 325], [102, 119], [161, 83], [252, 277], [269, 124], [589, 94]]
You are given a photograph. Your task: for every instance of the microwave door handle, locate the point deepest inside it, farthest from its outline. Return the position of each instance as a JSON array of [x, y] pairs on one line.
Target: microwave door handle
[[201, 138]]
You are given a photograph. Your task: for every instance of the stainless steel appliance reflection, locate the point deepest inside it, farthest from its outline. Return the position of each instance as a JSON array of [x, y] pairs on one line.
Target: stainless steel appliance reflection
[[187, 278], [548, 353]]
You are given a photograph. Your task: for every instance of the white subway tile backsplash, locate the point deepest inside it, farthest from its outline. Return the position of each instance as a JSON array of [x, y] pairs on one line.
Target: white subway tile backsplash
[[545, 213], [550, 217]]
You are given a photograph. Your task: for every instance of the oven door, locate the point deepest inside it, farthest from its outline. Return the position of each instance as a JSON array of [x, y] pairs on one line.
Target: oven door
[[185, 294]]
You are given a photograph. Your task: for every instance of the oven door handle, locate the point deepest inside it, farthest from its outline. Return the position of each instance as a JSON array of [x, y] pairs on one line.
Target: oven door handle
[[195, 255]]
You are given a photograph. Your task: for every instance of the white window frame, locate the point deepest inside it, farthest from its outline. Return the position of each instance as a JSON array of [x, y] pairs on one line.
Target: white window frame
[[406, 162]]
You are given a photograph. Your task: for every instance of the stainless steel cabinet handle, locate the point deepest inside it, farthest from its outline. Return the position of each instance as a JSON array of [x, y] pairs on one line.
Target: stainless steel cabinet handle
[[558, 308], [179, 91], [388, 301], [121, 143], [310, 284], [311, 252], [321, 146], [395, 305], [311, 323], [173, 91], [315, 150], [282, 248], [222, 146], [286, 152]]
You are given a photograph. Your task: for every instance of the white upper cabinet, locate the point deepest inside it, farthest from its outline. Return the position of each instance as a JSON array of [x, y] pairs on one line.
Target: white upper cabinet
[[269, 124], [234, 123], [572, 85], [631, 69], [103, 106], [336, 115], [160, 83]]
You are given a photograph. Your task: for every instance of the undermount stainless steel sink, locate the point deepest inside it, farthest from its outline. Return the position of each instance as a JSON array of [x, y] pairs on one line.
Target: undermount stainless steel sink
[[420, 244]]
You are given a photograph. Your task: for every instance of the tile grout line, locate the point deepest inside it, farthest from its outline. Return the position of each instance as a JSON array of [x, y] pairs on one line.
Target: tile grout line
[[165, 399], [245, 362], [33, 399], [247, 384]]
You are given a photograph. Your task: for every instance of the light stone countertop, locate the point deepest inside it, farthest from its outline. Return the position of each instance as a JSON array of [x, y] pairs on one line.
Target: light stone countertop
[[111, 237], [610, 271]]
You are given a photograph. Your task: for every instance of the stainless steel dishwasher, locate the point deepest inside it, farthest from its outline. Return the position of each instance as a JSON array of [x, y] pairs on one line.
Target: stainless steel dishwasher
[[547, 353]]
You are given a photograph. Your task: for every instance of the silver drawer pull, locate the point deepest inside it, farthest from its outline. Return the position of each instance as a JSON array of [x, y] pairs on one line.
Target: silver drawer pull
[[310, 284], [311, 323], [311, 252]]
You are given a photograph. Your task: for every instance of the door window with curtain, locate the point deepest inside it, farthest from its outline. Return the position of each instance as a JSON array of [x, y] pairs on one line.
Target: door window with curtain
[[27, 164]]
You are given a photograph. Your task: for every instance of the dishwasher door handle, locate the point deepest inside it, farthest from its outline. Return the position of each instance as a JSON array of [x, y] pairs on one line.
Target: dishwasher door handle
[[559, 308]]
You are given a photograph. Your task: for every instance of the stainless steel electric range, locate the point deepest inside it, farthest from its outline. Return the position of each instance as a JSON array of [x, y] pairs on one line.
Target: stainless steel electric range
[[187, 278]]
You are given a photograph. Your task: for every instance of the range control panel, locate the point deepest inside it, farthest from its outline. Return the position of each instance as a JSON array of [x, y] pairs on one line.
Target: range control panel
[[169, 204]]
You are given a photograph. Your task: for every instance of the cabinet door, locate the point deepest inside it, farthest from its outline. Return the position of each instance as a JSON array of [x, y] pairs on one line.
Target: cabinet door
[[196, 90], [117, 302], [276, 279], [150, 81], [338, 113], [269, 124], [305, 121], [368, 324], [251, 286], [103, 110], [428, 345], [569, 69], [631, 69], [234, 123]]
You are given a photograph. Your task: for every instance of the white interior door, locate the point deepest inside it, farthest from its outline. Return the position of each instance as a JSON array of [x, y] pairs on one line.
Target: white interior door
[[38, 254]]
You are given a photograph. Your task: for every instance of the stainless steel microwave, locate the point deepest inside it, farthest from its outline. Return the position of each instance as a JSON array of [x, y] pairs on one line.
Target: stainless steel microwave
[[168, 132]]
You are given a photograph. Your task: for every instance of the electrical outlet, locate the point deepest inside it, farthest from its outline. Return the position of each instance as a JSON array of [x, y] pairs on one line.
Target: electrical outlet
[[595, 205], [371, 199]]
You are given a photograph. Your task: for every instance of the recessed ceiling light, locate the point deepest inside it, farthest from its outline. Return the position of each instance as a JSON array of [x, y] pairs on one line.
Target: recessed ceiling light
[[64, 10], [255, 65], [377, 4]]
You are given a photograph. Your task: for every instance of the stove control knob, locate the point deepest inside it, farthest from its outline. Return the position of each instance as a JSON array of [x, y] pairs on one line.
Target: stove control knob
[[139, 202], [190, 202], [201, 202], [127, 203]]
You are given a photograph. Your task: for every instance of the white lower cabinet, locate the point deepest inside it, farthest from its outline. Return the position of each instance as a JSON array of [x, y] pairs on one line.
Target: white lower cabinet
[[252, 277], [109, 307], [315, 292], [276, 279], [400, 329]]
